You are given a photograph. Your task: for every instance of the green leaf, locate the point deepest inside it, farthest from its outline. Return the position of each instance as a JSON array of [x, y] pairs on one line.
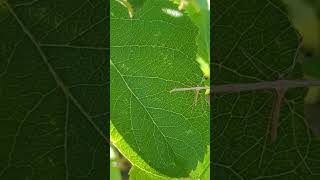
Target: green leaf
[[136, 4], [206, 174], [203, 169], [53, 90], [200, 15], [114, 171], [255, 42], [199, 12], [152, 53], [137, 174]]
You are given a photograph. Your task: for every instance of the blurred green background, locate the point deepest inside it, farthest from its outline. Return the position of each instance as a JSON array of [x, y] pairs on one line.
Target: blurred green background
[[305, 15]]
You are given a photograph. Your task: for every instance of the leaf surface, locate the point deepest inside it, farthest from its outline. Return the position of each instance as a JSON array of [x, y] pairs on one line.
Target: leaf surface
[[152, 53], [255, 42], [53, 89]]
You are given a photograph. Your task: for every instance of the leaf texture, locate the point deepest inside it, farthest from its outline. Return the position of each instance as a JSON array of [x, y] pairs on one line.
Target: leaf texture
[[53, 89], [255, 42], [152, 53]]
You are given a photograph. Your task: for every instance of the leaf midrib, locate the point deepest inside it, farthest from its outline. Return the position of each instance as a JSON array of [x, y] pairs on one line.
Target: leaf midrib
[[144, 107], [146, 110]]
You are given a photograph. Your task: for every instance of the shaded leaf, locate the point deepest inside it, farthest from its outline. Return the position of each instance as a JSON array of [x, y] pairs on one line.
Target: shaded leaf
[[53, 90], [255, 42]]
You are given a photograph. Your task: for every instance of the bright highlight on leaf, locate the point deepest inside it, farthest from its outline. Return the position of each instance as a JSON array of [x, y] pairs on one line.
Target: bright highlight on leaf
[[204, 66], [127, 4], [172, 12]]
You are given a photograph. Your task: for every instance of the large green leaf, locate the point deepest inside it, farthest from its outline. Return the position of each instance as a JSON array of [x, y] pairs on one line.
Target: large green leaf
[[152, 53], [53, 89], [255, 42]]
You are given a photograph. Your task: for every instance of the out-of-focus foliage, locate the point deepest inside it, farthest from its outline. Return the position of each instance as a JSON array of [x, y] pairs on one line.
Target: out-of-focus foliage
[[305, 14]]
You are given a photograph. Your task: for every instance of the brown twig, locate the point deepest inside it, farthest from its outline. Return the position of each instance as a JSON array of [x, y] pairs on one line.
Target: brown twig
[[265, 85], [277, 102], [280, 87]]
